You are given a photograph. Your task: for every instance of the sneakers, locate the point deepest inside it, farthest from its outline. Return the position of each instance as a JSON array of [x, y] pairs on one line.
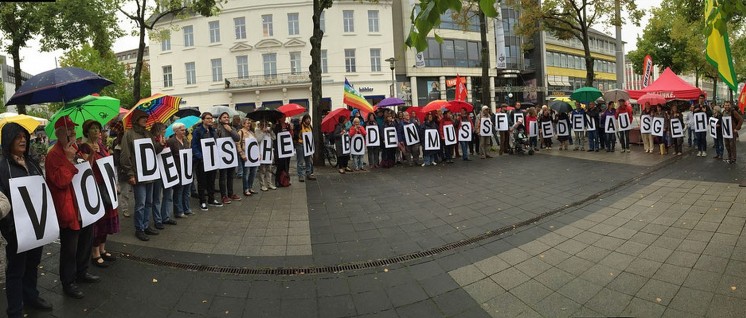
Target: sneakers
[[264, 189], [226, 200], [202, 206], [235, 197], [271, 186], [215, 203], [423, 164]]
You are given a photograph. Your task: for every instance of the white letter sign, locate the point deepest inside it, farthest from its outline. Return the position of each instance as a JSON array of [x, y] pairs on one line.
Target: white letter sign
[[358, 145], [501, 122], [645, 124], [145, 162], [450, 135], [726, 123], [374, 139], [267, 153], [34, 214], [677, 128], [307, 144], [464, 132], [562, 128], [389, 134], [547, 129], [713, 127], [485, 127], [624, 122], [346, 144], [700, 122], [251, 146], [108, 172], [410, 134], [285, 145], [167, 166], [590, 123], [658, 123], [609, 125], [209, 154], [533, 128], [87, 197], [578, 122], [432, 140], [187, 176]]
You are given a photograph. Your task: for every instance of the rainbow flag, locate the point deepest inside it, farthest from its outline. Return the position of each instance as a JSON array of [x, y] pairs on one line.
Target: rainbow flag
[[354, 99]]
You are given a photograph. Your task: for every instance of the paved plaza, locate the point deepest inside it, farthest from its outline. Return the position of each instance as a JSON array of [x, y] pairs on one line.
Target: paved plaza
[[558, 234]]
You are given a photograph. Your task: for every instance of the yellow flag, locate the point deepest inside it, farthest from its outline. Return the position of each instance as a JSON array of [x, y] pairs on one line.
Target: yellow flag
[[718, 48]]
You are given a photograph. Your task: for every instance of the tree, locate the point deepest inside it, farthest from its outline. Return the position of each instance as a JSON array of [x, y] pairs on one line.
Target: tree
[[107, 66], [315, 70], [567, 19], [147, 15], [60, 25]]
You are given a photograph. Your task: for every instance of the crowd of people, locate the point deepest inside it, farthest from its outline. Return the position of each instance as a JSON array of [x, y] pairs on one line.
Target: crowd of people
[[82, 246]]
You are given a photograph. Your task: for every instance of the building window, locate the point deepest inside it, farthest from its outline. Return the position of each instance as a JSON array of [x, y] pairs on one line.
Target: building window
[[267, 25], [191, 73], [242, 64], [214, 27], [474, 54], [188, 36], [240, 26], [166, 42], [446, 22], [295, 66], [375, 60], [168, 76], [322, 22], [270, 64], [447, 53], [324, 65], [217, 70], [373, 21], [293, 24], [350, 61], [348, 17]]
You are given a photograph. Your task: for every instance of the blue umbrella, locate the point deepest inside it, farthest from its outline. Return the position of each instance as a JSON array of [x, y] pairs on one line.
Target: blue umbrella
[[188, 121], [58, 85]]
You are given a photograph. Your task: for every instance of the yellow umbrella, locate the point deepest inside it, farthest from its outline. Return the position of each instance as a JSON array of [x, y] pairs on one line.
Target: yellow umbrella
[[27, 122]]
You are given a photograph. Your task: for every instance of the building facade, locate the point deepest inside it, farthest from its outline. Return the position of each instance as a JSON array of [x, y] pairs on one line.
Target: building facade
[[129, 58], [8, 73], [257, 54], [565, 63]]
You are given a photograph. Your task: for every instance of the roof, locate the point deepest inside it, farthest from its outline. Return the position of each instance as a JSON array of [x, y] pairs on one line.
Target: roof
[[670, 86]]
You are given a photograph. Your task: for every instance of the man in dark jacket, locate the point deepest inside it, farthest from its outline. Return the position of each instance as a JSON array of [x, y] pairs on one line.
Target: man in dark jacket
[[143, 190], [21, 268], [205, 179], [593, 113]]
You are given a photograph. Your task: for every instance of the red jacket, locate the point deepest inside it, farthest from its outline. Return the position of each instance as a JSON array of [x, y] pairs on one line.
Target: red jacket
[[59, 175], [624, 109], [529, 119], [443, 122], [360, 130]]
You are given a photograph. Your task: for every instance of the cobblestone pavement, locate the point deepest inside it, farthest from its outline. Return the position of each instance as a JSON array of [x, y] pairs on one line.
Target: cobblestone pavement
[[609, 235]]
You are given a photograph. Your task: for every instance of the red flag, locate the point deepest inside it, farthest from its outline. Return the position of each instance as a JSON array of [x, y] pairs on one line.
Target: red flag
[[742, 99], [647, 66], [460, 89]]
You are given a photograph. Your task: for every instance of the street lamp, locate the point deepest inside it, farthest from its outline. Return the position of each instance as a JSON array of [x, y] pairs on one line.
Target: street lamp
[[510, 95], [392, 66]]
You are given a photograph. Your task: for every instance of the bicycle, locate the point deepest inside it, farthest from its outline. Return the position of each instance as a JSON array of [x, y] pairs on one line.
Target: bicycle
[[329, 153]]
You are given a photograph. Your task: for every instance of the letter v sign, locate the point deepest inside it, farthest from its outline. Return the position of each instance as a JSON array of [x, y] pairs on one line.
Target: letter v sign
[[39, 225]]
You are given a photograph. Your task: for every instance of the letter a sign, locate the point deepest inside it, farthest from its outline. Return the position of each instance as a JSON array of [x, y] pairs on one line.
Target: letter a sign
[[33, 212]]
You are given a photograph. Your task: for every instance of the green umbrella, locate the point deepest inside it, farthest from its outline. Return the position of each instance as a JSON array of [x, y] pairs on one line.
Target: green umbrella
[[586, 94], [99, 108]]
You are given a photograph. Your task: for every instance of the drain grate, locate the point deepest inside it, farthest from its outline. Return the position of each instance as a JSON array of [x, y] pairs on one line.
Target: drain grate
[[387, 261]]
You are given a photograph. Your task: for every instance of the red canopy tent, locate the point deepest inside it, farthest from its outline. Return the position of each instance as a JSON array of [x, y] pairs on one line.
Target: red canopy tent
[[670, 86]]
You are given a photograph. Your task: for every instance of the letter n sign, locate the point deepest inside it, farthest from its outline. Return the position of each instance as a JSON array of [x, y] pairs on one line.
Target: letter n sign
[[34, 215]]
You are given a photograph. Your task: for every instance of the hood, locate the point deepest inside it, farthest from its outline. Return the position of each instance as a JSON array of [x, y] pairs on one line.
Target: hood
[[9, 132]]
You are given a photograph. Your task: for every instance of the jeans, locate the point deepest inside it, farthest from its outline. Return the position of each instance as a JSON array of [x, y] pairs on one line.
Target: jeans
[[357, 162], [239, 171], [75, 253], [464, 149], [601, 138], [428, 159], [226, 181], [701, 139], [719, 146], [373, 156], [21, 273], [304, 164], [624, 139], [610, 141], [592, 140], [178, 199], [163, 205], [689, 136], [249, 174], [143, 204]]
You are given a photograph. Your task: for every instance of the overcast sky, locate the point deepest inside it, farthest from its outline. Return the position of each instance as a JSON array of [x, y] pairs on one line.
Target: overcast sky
[[34, 61]]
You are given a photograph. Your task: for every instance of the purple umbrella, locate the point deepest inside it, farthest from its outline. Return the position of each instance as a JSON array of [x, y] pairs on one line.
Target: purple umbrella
[[391, 101]]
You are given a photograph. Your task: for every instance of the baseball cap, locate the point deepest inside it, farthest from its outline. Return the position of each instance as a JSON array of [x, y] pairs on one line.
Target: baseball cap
[[64, 121]]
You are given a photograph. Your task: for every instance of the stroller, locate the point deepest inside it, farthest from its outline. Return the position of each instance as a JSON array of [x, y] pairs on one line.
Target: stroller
[[520, 139]]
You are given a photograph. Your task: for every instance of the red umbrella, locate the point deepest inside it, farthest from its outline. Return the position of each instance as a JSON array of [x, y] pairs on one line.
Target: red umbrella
[[332, 119], [291, 110], [417, 111], [455, 106], [653, 99], [434, 105]]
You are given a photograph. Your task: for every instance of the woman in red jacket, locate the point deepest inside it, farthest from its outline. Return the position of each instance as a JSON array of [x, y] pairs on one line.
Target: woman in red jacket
[[624, 135], [357, 129]]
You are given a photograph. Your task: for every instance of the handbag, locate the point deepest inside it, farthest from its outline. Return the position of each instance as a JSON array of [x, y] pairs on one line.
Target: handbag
[[5, 206]]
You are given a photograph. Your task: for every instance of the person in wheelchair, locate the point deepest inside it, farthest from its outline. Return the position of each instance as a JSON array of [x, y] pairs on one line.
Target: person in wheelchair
[[520, 139]]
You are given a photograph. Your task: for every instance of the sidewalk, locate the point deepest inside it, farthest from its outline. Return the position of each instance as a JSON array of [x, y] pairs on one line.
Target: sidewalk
[[615, 236]]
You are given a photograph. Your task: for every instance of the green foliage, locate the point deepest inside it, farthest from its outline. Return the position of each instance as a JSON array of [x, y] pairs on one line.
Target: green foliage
[[428, 14], [107, 66]]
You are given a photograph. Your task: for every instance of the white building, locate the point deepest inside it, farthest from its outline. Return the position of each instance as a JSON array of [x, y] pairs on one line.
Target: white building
[[257, 53]]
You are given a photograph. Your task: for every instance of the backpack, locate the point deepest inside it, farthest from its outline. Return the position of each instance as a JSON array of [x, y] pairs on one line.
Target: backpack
[[284, 179]]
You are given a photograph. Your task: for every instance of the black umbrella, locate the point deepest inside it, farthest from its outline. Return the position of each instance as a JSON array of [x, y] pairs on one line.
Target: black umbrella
[[187, 111], [560, 106], [58, 85], [265, 114], [527, 104]]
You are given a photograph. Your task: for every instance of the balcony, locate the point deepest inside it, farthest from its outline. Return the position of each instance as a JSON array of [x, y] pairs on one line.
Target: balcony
[[259, 81]]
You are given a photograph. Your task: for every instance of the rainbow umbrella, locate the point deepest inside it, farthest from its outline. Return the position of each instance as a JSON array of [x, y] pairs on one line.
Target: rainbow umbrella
[[160, 107]]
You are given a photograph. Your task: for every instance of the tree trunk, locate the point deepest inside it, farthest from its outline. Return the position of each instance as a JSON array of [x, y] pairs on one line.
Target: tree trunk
[[486, 94], [714, 89], [316, 93], [138, 65], [15, 52], [589, 61]]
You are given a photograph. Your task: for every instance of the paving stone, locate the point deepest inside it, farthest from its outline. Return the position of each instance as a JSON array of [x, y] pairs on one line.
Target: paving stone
[[684, 259], [608, 302], [711, 263], [467, 275], [654, 290], [514, 256], [593, 253], [533, 266], [643, 308], [724, 306], [554, 256], [336, 306], [692, 246], [692, 301], [575, 265], [609, 243], [580, 290], [505, 305], [617, 261], [294, 308], [425, 308], [371, 302], [736, 268], [557, 305], [484, 290], [554, 278], [627, 283], [405, 294], [440, 284], [632, 248], [491, 265], [509, 278], [454, 302], [672, 274], [571, 246], [600, 274], [654, 253], [531, 292]]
